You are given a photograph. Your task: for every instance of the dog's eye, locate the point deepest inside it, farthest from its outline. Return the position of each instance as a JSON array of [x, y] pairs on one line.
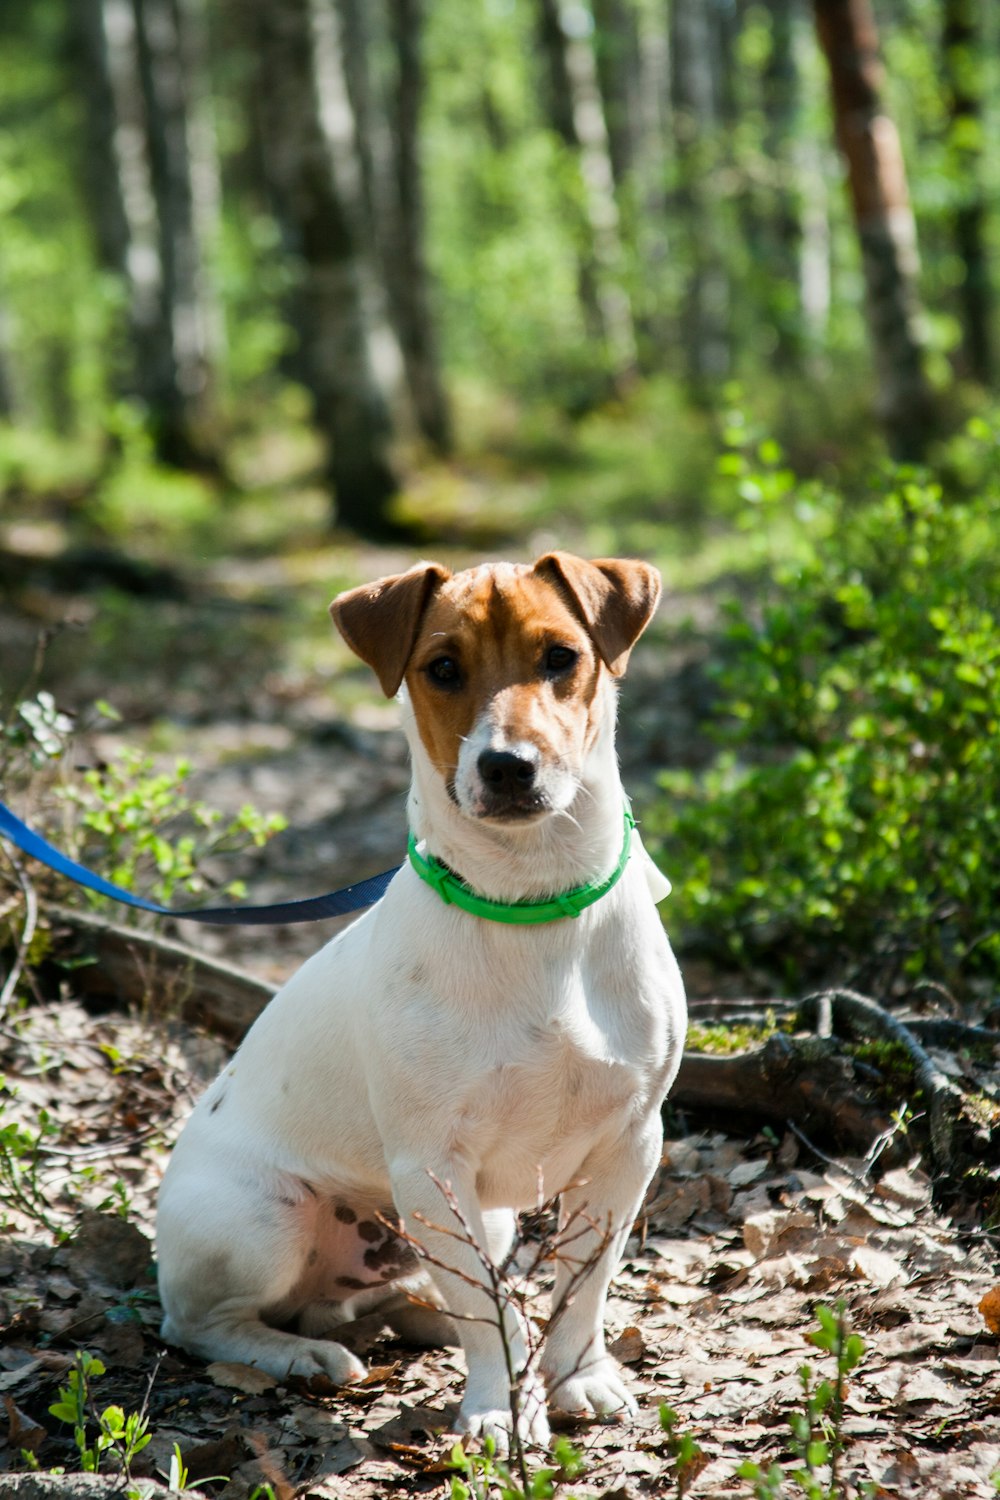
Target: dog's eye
[[444, 671], [559, 659]]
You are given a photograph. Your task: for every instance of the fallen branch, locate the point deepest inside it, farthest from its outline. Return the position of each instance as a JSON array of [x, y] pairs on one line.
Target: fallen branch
[[804, 1079], [133, 968]]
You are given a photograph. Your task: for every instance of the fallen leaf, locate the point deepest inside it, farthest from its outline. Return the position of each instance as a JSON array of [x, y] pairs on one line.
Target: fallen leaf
[[22, 1431], [990, 1309], [876, 1266], [745, 1173], [245, 1378], [629, 1347], [761, 1232], [110, 1248]]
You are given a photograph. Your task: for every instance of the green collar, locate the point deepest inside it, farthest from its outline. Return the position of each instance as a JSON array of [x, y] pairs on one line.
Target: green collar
[[454, 891]]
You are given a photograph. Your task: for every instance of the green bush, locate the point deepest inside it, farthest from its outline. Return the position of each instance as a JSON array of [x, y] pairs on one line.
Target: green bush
[[851, 821]]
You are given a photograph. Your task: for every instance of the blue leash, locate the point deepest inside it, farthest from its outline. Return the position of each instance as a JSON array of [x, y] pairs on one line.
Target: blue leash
[[333, 904]]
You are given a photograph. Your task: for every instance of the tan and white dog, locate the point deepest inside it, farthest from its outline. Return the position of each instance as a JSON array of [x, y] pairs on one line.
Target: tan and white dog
[[426, 1045]]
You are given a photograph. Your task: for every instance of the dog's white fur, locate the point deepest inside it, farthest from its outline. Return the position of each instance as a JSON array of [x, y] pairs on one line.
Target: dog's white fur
[[426, 1043]]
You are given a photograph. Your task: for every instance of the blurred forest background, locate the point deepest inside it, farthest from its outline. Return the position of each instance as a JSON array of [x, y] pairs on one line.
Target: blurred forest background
[[330, 281], [402, 212]]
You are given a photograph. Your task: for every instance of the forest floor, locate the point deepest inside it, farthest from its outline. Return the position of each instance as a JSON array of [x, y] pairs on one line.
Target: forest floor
[[745, 1234]]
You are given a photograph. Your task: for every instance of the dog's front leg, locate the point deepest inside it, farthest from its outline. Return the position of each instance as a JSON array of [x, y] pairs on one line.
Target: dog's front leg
[[596, 1217], [463, 1248]]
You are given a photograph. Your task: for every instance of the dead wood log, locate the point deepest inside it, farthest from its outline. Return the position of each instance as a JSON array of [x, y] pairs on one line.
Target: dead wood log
[[133, 968], [803, 1079], [854, 1015]]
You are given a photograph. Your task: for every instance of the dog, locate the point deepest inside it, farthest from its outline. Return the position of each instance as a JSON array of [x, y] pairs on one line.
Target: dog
[[435, 1068]]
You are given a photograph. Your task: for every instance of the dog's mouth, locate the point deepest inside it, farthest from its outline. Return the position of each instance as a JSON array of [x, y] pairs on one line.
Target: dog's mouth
[[524, 807]]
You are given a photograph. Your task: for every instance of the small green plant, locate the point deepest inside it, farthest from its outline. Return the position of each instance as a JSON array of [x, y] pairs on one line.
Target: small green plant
[[482, 1476], [37, 731], [20, 1153], [127, 809], [817, 1426], [851, 819], [687, 1455], [124, 1435]]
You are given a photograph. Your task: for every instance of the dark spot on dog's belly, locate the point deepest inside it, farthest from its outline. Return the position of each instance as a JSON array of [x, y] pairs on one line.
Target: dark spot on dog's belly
[[370, 1231], [313, 1256], [344, 1214], [217, 1104], [352, 1283], [392, 1256]]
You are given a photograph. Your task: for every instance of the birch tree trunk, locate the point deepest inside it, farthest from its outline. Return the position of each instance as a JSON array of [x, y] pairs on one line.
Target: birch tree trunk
[[119, 190], [883, 218], [963, 72], [181, 361], [352, 360], [407, 274], [577, 115]]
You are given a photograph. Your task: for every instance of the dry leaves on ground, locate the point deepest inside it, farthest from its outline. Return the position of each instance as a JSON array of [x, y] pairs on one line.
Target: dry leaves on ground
[[709, 1313]]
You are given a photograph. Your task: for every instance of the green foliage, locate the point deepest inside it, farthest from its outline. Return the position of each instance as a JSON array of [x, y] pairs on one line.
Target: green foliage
[[853, 815], [124, 1435], [20, 1159], [687, 1455], [482, 1476], [128, 806], [816, 1427]]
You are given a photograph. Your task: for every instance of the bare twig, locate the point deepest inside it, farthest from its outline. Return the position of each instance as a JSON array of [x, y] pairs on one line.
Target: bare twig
[[27, 930]]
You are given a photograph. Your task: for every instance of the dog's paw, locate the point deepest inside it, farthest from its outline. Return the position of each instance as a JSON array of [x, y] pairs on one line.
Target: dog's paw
[[485, 1420], [597, 1391], [329, 1359]]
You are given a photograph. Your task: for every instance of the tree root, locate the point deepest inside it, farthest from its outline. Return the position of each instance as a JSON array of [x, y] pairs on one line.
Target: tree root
[[852, 1015]]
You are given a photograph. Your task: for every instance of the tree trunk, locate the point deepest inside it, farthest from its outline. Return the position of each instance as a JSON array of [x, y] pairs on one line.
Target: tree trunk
[[8, 389], [883, 218], [351, 357], [782, 235], [696, 89], [619, 69], [181, 357], [119, 191], [963, 67], [407, 274], [577, 115]]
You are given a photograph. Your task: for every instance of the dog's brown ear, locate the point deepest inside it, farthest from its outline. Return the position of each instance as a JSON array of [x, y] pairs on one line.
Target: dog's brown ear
[[613, 597], [379, 621]]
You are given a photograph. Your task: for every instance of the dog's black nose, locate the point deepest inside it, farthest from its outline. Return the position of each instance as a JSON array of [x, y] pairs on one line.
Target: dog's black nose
[[508, 774]]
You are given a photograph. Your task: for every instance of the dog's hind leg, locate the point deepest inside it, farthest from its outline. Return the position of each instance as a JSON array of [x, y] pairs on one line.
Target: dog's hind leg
[[234, 1262]]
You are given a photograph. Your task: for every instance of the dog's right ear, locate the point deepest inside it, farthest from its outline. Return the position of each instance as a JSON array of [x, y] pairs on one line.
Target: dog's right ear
[[379, 621]]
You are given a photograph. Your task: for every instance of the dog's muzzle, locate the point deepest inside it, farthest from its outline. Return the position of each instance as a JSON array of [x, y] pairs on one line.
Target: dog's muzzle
[[510, 782]]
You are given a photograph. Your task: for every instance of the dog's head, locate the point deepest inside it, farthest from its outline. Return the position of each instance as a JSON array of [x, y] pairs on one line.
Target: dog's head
[[504, 665]]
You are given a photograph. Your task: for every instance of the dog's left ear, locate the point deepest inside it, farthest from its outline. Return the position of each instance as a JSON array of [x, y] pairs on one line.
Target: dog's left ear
[[613, 597], [380, 620]]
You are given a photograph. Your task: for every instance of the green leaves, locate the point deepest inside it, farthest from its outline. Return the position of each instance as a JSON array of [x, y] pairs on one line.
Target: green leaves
[[125, 1435], [853, 814], [136, 812]]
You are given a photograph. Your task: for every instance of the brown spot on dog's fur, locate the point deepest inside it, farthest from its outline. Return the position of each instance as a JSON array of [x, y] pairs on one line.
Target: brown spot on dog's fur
[[370, 1231], [351, 1283], [313, 1256], [344, 1214]]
